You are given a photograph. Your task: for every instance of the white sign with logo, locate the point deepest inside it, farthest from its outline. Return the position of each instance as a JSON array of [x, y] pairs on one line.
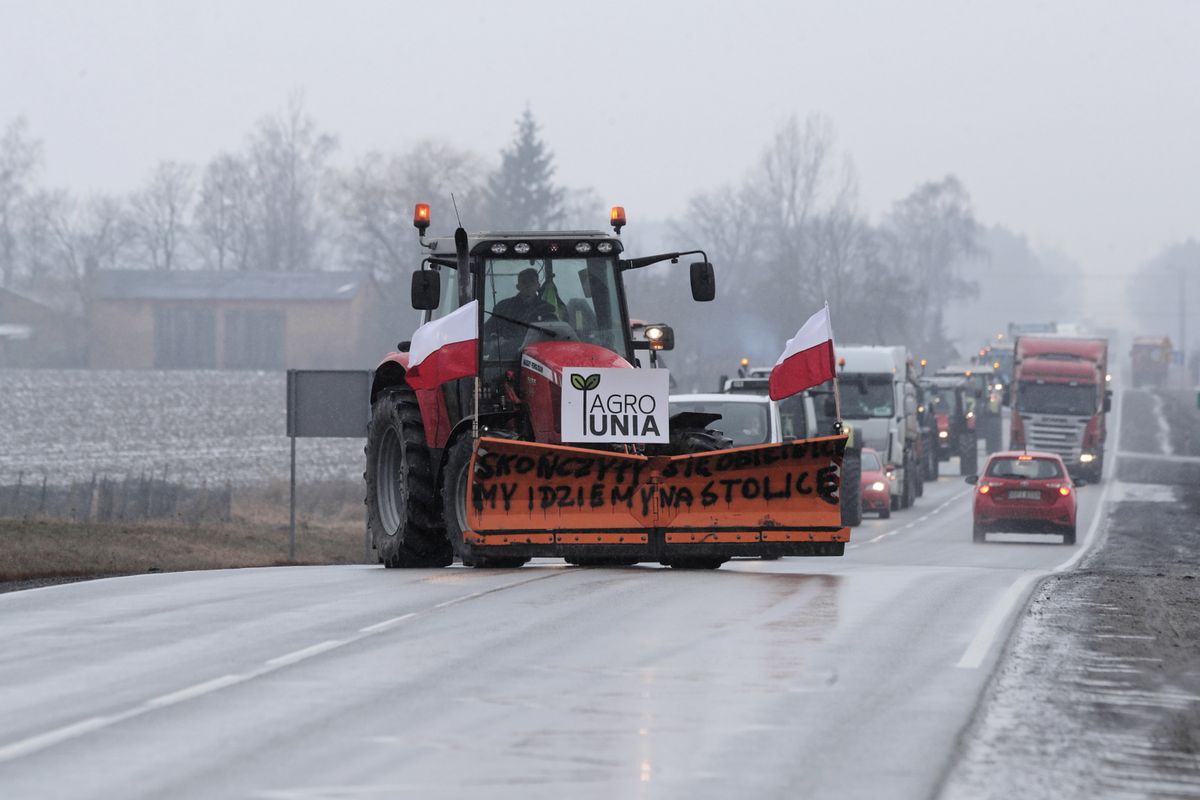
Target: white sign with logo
[[615, 405]]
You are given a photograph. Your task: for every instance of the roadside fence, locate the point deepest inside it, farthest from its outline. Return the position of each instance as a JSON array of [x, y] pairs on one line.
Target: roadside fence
[[105, 498]]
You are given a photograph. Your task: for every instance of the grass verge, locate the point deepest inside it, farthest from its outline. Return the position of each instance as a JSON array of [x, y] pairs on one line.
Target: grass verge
[[329, 530]]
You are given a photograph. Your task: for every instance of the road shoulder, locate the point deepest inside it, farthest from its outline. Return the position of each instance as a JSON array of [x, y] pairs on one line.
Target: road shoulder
[[1098, 692]]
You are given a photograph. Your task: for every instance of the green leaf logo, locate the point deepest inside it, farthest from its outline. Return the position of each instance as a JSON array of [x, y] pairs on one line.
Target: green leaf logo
[[579, 382], [592, 382]]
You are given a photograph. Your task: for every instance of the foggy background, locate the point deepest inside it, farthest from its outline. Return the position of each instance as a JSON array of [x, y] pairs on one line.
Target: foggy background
[[934, 169]]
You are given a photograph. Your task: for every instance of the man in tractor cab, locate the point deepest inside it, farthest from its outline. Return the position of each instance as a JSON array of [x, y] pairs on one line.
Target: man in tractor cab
[[511, 318]]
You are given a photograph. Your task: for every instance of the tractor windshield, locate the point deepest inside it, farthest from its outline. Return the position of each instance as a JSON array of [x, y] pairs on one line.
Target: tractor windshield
[[550, 299], [942, 400]]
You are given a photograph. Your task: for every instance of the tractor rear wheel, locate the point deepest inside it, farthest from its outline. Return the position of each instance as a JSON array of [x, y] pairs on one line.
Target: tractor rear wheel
[[968, 451], [455, 484], [906, 489], [696, 562], [401, 515], [851, 489]]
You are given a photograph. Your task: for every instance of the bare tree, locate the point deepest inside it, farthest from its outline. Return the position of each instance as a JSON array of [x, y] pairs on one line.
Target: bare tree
[[224, 215], [67, 241], [159, 214], [378, 195], [20, 159], [288, 157], [936, 234]]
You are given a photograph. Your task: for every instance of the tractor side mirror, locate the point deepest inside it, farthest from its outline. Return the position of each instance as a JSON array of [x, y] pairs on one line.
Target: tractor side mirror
[[704, 282], [972, 479], [426, 289]]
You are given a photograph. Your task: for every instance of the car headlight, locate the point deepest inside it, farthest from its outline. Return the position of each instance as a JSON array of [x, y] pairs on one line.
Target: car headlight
[[878, 486], [943, 434]]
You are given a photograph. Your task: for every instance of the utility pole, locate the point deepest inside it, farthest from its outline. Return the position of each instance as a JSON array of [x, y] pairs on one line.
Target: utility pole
[[1183, 342]]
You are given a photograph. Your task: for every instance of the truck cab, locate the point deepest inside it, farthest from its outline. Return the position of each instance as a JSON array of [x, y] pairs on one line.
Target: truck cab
[[879, 396], [1060, 399]]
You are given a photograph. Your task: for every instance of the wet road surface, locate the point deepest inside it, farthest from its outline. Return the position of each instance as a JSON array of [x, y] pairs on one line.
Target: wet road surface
[[821, 677]]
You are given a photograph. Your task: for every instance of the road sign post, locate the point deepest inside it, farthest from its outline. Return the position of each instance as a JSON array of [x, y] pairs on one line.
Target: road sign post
[[325, 403]]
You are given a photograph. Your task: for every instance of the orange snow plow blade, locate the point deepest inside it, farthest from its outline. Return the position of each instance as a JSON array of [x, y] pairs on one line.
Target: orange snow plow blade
[[773, 499]]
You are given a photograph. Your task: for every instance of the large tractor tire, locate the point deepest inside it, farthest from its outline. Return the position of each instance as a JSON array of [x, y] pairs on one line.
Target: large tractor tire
[[696, 562], [851, 489], [993, 433], [931, 461], [401, 505], [908, 488], [697, 440], [918, 480], [968, 455], [455, 483]]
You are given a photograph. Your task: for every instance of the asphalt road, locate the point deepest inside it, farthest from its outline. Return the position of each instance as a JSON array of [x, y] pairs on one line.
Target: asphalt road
[[848, 677]]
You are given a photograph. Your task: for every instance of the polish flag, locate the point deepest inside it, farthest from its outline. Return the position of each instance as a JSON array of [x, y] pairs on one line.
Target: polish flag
[[807, 360], [445, 349]]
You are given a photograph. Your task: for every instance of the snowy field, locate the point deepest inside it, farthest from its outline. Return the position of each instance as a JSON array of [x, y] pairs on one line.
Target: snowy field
[[194, 426]]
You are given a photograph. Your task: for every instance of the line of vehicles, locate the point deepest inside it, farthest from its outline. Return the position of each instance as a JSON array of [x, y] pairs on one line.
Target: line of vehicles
[[527, 421], [906, 420]]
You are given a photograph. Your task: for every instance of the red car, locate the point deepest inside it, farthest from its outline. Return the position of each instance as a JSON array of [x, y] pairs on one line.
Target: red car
[[1025, 493], [876, 485]]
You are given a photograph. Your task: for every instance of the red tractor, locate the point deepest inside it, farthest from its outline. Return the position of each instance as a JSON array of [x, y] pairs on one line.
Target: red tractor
[[491, 466]]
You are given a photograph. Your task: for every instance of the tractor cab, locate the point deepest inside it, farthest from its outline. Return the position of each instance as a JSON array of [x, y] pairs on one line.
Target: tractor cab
[[546, 301]]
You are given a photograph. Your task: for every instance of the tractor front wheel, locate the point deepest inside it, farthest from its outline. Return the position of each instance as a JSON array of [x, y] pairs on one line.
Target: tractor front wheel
[[456, 482], [401, 515]]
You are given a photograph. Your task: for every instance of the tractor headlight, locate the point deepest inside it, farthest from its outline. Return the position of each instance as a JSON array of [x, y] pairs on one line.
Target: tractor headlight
[[878, 486], [943, 434]]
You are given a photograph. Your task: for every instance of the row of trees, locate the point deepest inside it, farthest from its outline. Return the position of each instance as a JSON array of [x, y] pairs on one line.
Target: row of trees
[[792, 234], [277, 205], [788, 236]]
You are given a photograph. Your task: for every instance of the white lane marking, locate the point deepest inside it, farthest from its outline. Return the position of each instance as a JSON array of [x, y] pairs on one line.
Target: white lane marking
[[305, 653], [993, 623], [1173, 459], [462, 599], [918, 520], [1164, 430], [195, 691], [387, 623], [41, 741]]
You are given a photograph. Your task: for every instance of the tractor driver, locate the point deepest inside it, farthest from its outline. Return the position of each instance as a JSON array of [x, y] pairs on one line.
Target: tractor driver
[[510, 319]]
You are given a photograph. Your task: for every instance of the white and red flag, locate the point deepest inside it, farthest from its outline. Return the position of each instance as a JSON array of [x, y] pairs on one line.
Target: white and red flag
[[807, 360], [445, 349]]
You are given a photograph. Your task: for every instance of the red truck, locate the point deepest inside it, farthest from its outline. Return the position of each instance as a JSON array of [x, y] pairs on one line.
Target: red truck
[[1059, 400]]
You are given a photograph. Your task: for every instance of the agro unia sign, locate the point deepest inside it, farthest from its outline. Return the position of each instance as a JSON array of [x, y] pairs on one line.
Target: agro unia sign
[[615, 405]]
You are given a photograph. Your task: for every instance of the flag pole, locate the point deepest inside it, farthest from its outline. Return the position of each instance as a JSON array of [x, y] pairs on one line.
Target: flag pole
[[837, 391], [478, 371]]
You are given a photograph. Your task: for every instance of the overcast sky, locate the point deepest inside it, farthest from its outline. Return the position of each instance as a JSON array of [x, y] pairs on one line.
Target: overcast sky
[[1074, 122]]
